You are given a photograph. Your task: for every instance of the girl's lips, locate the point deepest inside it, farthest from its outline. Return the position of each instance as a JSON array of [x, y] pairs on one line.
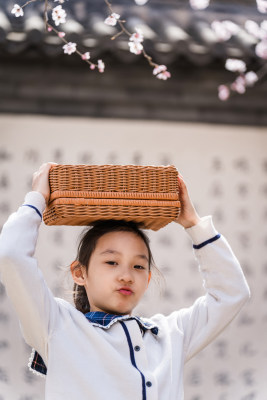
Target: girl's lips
[[125, 291]]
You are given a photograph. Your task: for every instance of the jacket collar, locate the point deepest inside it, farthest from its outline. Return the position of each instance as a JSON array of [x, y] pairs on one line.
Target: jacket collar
[[105, 320]]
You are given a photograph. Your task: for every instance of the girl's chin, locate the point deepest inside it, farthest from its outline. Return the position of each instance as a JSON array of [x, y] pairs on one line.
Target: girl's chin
[[116, 311]]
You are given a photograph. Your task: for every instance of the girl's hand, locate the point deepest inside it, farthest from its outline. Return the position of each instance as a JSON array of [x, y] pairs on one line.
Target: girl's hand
[[188, 216], [40, 181]]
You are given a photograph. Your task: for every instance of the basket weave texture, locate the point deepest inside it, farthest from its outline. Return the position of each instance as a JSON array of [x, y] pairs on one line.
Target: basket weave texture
[[83, 194]]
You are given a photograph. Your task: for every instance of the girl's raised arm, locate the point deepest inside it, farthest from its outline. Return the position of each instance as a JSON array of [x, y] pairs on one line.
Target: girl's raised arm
[[223, 280], [34, 303]]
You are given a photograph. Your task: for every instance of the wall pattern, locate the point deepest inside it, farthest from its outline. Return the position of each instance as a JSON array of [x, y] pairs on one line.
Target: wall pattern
[[226, 171]]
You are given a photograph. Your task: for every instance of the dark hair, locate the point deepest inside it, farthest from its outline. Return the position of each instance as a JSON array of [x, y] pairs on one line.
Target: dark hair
[[88, 244]]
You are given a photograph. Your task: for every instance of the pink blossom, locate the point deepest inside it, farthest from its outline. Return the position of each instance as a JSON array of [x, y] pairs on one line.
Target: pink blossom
[[141, 2], [262, 5], [70, 48], [252, 27], [222, 33], [50, 29], [264, 25], [231, 26], [261, 49], [135, 42], [61, 34], [17, 10], [135, 47], [164, 75], [86, 56], [239, 85], [100, 66], [137, 37], [159, 68], [199, 4], [251, 78], [235, 65], [59, 15], [112, 19], [92, 66], [223, 92]]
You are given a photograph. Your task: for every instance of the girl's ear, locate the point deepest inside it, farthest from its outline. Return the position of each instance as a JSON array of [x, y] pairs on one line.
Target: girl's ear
[[149, 277], [78, 273]]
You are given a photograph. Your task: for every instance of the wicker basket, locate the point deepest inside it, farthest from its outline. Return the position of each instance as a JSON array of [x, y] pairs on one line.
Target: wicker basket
[[82, 194]]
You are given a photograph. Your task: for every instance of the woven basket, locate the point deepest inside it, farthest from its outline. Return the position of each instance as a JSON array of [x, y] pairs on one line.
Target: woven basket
[[83, 194]]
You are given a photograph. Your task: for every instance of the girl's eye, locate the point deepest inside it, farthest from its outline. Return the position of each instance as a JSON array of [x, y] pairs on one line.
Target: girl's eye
[[139, 267], [111, 262]]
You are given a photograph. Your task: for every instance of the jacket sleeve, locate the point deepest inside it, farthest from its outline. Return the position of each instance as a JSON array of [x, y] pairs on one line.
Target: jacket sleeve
[[25, 286], [225, 285]]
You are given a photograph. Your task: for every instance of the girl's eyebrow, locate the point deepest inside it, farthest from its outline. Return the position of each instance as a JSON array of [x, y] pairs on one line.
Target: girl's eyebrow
[[110, 251]]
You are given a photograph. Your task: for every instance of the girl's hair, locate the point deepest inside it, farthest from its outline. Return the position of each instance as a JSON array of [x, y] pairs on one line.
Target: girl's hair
[[88, 244]]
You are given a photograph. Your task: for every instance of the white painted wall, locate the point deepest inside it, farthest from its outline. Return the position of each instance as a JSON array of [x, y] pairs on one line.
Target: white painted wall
[[226, 171]]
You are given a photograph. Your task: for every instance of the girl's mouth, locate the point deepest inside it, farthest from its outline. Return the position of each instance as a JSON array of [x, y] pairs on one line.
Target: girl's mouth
[[125, 291]]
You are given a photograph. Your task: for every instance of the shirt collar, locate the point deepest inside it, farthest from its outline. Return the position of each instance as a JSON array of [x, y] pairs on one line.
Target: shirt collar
[[105, 320]]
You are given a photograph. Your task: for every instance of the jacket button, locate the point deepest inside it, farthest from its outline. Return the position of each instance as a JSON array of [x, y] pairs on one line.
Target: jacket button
[[149, 384], [137, 348]]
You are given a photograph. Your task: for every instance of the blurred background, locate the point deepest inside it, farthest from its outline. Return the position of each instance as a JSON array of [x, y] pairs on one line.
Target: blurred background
[[54, 108]]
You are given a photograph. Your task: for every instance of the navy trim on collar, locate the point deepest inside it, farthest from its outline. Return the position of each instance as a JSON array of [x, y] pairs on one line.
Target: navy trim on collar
[[105, 320]]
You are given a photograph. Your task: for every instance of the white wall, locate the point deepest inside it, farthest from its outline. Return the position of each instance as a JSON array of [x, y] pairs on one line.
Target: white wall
[[226, 171]]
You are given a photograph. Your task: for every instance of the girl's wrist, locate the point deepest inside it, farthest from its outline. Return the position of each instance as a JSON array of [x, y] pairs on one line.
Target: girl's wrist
[[191, 222]]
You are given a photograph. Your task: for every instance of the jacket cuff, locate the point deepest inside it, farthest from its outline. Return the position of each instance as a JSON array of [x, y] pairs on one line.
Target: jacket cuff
[[203, 231], [35, 199]]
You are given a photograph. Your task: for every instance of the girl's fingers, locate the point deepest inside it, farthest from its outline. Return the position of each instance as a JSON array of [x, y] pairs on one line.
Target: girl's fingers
[[40, 181]]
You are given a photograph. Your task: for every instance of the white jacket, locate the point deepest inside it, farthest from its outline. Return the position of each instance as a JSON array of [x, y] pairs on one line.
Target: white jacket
[[85, 361]]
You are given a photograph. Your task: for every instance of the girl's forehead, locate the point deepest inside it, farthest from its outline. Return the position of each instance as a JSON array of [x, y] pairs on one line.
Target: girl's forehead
[[121, 241]]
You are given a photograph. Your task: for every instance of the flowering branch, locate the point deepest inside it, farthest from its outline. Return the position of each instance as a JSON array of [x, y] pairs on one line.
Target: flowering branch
[[224, 30], [135, 42]]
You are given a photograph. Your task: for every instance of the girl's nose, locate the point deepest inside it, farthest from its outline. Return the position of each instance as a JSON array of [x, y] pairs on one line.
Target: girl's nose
[[126, 276]]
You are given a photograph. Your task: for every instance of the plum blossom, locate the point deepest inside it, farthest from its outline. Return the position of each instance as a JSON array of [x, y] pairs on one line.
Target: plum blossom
[[164, 75], [261, 49], [223, 92], [17, 10], [221, 32], [59, 15], [239, 85], [262, 6], [199, 4], [253, 28], [224, 30], [86, 56], [251, 78], [61, 34], [100, 66], [235, 65], [135, 42], [159, 68], [137, 36], [69, 48], [161, 72], [141, 2], [112, 19], [135, 47]]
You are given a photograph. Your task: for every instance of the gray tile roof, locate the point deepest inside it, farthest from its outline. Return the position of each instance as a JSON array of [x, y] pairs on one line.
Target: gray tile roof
[[171, 28]]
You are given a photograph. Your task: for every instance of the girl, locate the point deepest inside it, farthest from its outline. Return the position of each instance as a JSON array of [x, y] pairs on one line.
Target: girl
[[100, 349]]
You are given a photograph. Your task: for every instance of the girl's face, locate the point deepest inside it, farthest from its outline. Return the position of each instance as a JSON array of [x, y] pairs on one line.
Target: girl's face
[[118, 273]]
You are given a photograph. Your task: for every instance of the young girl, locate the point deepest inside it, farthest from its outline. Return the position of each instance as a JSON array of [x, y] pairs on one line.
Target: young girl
[[100, 349]]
